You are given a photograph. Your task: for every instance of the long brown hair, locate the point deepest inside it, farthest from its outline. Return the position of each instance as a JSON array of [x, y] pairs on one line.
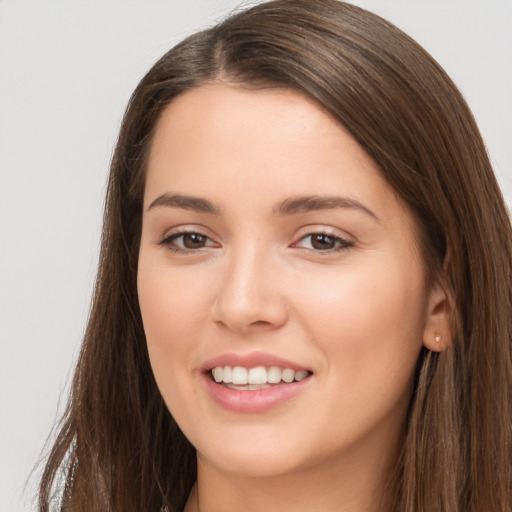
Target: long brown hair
[[120, 450]]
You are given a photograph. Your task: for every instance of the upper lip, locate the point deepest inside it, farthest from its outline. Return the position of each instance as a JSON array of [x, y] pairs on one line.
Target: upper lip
[[251, 360]]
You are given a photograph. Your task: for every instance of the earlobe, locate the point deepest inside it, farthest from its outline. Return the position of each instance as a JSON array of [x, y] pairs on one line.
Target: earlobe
[[437, 332]]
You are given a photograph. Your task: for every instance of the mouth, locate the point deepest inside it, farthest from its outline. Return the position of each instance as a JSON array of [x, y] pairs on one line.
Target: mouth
[[255, 382], [256, 378]]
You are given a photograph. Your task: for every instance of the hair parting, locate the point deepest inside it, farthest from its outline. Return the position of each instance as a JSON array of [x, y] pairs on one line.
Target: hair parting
[[119, 448]]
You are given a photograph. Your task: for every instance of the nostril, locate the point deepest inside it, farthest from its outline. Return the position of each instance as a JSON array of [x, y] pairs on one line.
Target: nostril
[[246, 303]]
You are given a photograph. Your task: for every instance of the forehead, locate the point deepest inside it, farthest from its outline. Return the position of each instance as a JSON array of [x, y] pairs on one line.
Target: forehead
[[247, 151], [273, 134]]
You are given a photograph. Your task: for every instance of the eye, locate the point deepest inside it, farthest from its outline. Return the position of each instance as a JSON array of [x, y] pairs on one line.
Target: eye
[[187, 241], [323, 242]]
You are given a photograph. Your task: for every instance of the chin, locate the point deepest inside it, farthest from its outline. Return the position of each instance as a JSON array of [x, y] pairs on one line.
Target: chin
[[254, 454], [252, 463]]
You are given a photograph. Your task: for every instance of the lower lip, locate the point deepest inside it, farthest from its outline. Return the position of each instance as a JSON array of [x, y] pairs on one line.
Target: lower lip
[[253, 401]]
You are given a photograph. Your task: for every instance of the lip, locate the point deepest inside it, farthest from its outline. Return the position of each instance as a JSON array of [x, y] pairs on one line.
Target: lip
[[250, 360], [255, 401]]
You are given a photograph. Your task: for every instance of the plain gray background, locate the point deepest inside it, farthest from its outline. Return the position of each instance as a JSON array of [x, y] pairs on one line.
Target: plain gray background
[[67, 69]]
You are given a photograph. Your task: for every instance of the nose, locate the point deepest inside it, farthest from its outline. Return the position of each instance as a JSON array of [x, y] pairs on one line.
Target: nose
[[249, 297]]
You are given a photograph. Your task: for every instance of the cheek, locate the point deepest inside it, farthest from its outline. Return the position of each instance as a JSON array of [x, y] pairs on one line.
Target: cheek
[[173, 312], [169, 314], [366, 323], [171, 303]]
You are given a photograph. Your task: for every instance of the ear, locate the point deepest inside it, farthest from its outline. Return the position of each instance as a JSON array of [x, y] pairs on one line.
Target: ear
[[437, 332]]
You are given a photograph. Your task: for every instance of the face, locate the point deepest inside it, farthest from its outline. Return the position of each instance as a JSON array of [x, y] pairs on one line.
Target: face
[[273, 250]]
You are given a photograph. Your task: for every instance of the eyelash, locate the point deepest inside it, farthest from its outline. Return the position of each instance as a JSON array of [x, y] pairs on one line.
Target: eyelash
[[167, 242], [342, 243]]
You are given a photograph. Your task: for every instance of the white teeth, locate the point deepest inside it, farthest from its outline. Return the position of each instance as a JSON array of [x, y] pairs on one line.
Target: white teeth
[[288, 375], [227, 376], [301, 375], [274, 375], [259, 377], [217, 374], [239, 375]]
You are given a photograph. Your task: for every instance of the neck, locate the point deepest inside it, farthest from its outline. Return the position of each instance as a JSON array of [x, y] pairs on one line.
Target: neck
[[356, 485]]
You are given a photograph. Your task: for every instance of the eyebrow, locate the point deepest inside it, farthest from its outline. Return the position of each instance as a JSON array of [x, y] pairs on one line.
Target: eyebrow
[[310, 203], [290, 206], [195, 204]]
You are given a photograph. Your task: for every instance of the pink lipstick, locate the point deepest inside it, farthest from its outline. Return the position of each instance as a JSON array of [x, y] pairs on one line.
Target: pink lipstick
[[253, 382]]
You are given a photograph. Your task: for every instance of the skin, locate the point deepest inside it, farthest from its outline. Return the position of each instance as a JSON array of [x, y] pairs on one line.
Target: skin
[[356, 313]]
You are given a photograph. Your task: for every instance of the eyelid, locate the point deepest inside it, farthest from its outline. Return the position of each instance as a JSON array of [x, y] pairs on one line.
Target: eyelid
[[171, 235], [344, 242]]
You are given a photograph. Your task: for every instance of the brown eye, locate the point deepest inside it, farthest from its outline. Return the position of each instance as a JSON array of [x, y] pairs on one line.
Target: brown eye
[[194, 240], [187, 241], [322, 242]]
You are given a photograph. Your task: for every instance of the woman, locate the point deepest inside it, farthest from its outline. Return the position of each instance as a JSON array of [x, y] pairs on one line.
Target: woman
[[304, 291]]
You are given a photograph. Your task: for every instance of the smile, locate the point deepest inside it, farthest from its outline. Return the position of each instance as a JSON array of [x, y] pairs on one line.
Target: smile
[[256, 378], [254, 382]]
